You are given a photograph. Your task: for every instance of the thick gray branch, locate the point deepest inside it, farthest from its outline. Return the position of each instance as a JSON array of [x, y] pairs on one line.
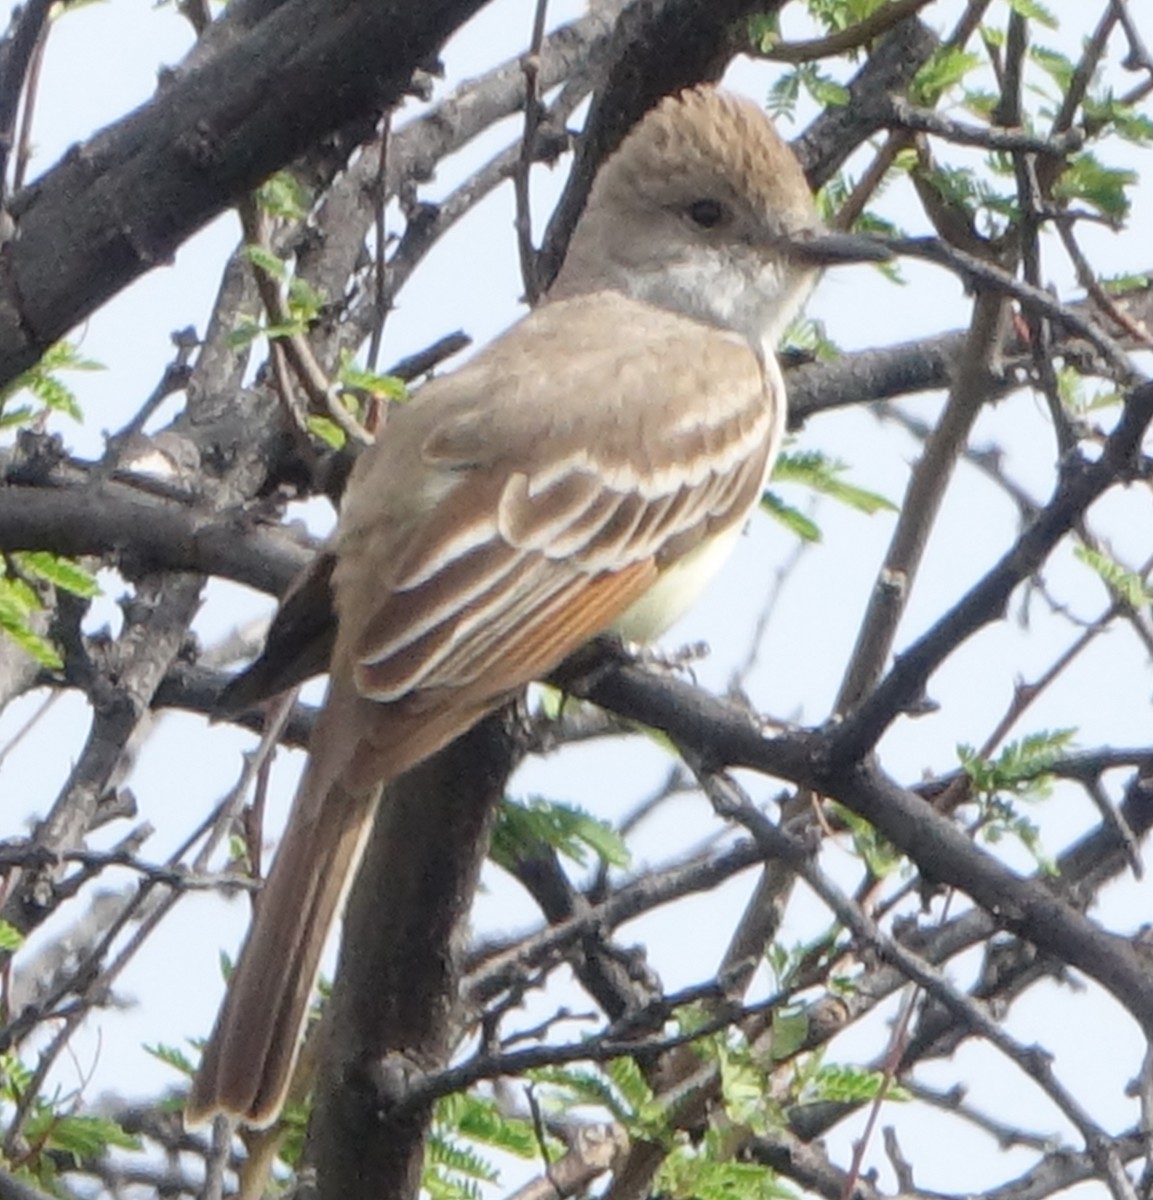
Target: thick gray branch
[[147, 532], [123, 202]]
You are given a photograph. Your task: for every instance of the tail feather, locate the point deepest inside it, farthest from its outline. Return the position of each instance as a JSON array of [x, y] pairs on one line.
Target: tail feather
[[247, 1064], [357, 746]]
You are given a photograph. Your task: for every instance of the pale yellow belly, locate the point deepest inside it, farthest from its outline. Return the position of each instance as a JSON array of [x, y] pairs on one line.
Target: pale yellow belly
[[676, 590]]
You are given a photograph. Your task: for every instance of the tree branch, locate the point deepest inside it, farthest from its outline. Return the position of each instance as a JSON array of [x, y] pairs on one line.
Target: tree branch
[[142, 532], [394, 1001], [125, 200]]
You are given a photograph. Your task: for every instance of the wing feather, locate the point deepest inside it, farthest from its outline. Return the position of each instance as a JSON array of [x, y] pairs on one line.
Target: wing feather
[[530, 509]]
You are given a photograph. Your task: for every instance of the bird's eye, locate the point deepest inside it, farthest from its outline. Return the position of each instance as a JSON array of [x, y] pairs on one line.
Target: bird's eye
[[707, 213]]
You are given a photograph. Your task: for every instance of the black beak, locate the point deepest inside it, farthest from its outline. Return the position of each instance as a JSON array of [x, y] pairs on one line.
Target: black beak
[[822, 249]]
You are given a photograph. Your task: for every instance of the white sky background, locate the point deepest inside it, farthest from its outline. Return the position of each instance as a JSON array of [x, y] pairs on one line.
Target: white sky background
[[102, 60]]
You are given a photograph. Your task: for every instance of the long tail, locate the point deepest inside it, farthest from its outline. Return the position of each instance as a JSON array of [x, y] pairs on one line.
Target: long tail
[[247, 1064], [357, 746]]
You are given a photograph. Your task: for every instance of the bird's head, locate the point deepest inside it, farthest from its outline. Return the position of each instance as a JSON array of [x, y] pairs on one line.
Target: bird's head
[[704, 210]]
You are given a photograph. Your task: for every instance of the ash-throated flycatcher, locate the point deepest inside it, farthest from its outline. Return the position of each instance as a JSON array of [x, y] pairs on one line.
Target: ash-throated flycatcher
[[585, 473]]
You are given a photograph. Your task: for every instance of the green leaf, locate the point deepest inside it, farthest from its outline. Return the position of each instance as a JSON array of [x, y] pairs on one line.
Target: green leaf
[[57, 396], [173, 1057], [1102, 187], [836, 15], [480, 1119], [828, 92], [1034, 12], [83, 1137], [1120, 285], [42, 383], [460, 1160], [15, 416], [1126, 585], [822, 474], [283, 195], [1020, 772], [743, 1085], [764, 30], [791, 518], [1020, 765], [21, 594], [262, 257], [790, 1029], [453, 1171], [1081, 397], [523, 827], [14, 1074], [66, 356], [825, 90], [10, 937], [784, 962], [619, 1089], [808, 337], [944, 70], [579, 1087], [551, 701], [17, 602], [877, 851], [705, 1173], [304, 301], [327, 430], [784, 95], [1057, 66], [962, 188], [247, 330], [844, 1084], [386, 387], [633, 1086], [1111, 113], [64, 573], [980, 103]]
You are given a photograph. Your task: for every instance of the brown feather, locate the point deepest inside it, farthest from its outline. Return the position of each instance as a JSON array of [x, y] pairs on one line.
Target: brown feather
[[246, 1067]]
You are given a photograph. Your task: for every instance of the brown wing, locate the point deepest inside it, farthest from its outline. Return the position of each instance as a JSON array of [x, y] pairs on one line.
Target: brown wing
[[513, 511]]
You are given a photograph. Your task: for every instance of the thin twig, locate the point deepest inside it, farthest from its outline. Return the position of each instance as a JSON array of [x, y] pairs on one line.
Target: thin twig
[[1138, 58], [413, 366], [37, 715], [16, 54], [85, 980], [980, 271], [871, 180], [999, 137], [1083, 74], [379, 278], [1080, 485], [1087, 278], [174, 379], [321, 394], [844, 40], [1032, 199], [893, 1053], [28, 114], [530, 65], [923, 497]]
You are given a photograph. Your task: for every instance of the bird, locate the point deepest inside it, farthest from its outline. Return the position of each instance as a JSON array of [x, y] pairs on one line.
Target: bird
[[585, 473]]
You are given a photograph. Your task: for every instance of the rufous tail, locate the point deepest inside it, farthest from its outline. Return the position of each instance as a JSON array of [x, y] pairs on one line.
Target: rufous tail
[[247, 1064]]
